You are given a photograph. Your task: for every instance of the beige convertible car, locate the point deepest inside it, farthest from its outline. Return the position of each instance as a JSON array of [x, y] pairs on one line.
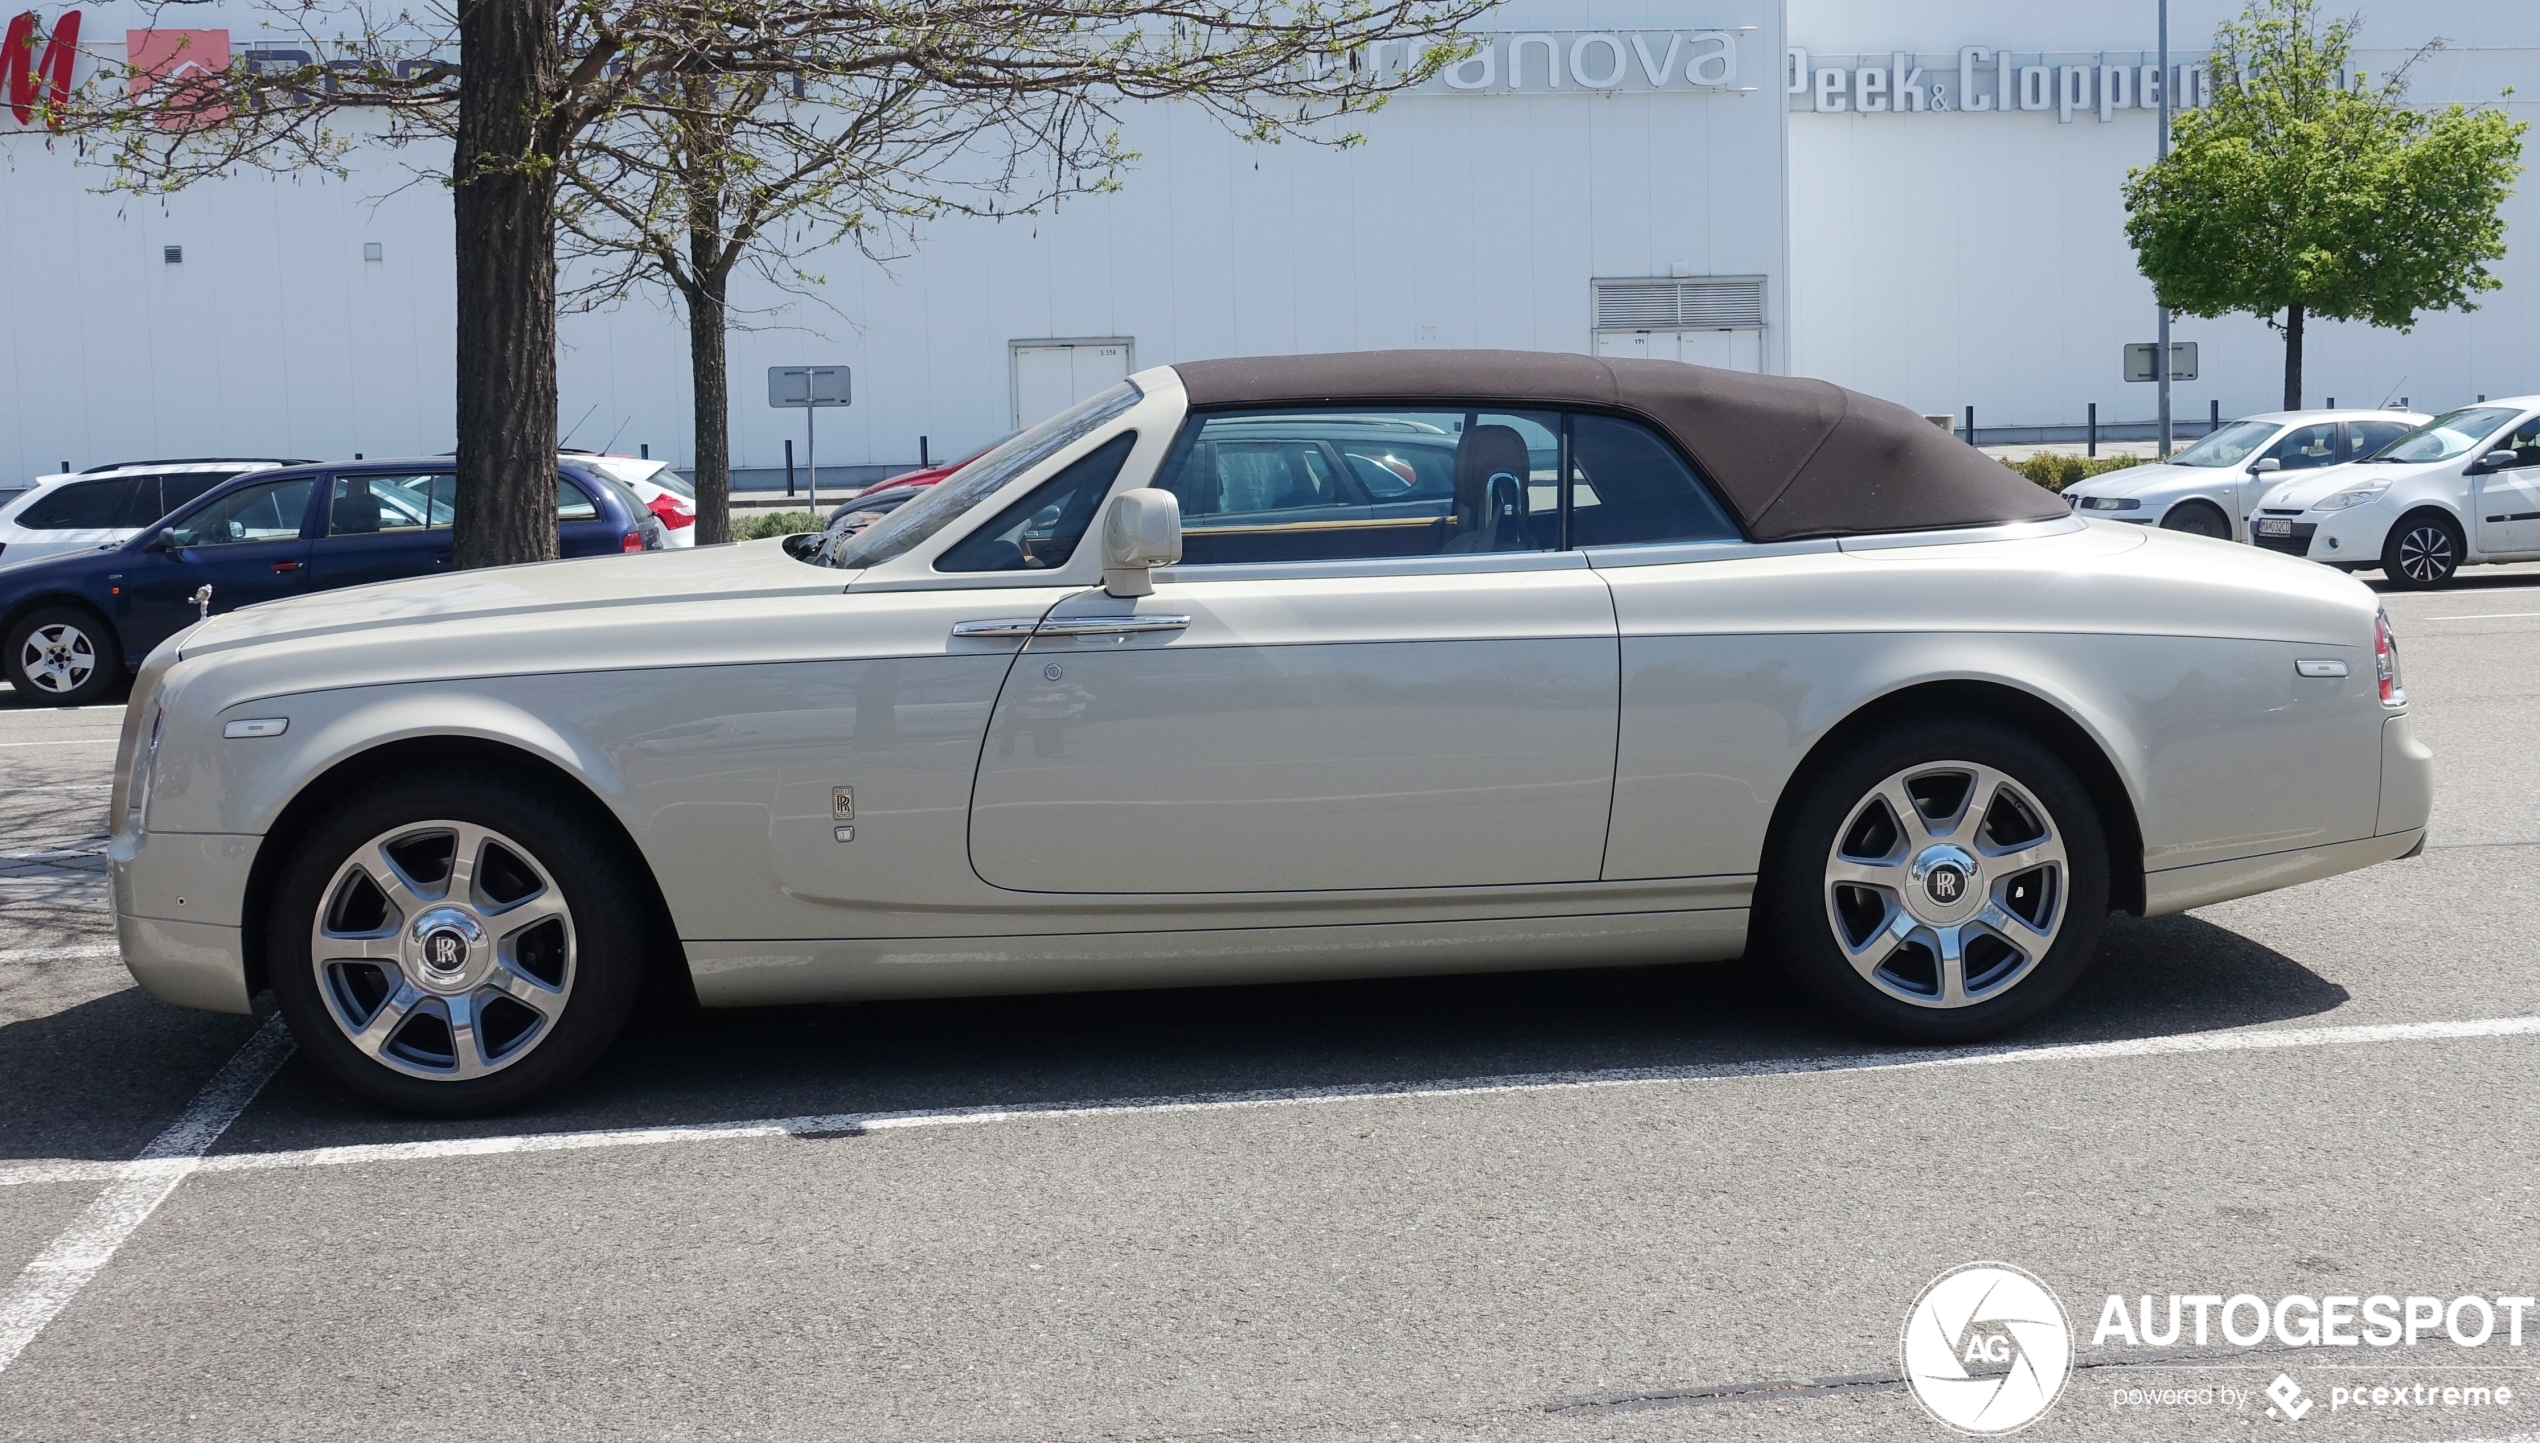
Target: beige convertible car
[[1247, 670]]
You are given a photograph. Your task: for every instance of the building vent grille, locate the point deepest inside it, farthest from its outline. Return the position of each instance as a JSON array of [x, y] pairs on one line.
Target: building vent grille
[[1705, 302]]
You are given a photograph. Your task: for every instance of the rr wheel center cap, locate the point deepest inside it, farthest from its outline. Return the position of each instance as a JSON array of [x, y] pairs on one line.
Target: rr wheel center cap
[[445, 949], [1944, 885]]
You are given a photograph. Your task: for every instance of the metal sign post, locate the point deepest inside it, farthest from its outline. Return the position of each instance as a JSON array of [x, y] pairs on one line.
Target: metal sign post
[[810, 387], [2162, 358]]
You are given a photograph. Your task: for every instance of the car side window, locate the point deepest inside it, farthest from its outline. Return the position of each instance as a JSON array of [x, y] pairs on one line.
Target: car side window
[[367, 504], [1042, 529], [2522, 440], [2371, 436], [1627, 485], [1325, 484], [83, 505], [178, 487], [573, 503], [271, 511], [2306, 448]]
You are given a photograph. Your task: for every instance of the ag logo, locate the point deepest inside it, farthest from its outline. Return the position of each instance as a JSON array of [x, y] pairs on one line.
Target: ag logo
[[1987, 1348]]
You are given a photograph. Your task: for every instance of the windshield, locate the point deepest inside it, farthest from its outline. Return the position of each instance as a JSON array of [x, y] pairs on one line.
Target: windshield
[[951, 498], [647, 472], [2229, 446], [2454, 433]]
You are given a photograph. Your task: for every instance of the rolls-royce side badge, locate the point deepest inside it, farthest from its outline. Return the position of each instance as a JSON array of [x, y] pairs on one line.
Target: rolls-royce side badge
[[842, 805]]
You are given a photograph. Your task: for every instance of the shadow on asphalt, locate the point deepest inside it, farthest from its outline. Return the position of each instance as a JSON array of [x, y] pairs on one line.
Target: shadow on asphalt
[[2164, 976]]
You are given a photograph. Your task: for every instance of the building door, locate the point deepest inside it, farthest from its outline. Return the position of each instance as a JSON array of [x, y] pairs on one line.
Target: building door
[[1050, 376]]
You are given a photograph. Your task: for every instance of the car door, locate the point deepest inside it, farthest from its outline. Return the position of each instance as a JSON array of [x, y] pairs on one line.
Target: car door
[[381, 526], [248, 545], [2505, 502], [584, 527], [1352, 718]]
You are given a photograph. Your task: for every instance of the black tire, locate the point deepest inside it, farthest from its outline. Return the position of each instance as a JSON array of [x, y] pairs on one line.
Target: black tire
[[2423, 551], [2197, 518], [595, 960], [1801, 904], [63, 655]]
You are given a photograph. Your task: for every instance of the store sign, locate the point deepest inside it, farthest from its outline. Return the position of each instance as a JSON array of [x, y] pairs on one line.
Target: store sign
[[31, 72], [186, 65], [1576, 62], [1980, 80]]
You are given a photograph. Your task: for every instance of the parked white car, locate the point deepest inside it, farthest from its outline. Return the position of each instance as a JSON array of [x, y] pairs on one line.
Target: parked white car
[[2213, 487], [2461, 490], [1168, 690], [107, 505], [668, 497]]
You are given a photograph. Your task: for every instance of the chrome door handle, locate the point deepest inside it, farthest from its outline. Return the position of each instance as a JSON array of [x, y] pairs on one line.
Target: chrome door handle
[[1112, 625], [997, 626]]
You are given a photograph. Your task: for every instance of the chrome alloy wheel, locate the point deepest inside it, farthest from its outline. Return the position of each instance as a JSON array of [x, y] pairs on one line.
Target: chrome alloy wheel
[[1946, 884], [2425, 552], [443, 950], [58, 658]]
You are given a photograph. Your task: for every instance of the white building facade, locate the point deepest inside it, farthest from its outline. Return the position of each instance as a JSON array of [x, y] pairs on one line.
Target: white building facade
[[1829, 188]]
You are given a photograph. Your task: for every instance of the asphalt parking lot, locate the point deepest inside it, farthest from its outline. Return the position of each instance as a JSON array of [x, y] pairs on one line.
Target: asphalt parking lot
[[1658, 1203]]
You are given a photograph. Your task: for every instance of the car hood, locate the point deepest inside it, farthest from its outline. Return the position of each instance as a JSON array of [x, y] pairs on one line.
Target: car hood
[[2146, 480], [641, 579], [2306, 490]]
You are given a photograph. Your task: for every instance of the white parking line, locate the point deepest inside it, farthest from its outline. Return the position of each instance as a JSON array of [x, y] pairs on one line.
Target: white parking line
[[2245, 1040], [138, 1187], [70, 742], [2482, 616]]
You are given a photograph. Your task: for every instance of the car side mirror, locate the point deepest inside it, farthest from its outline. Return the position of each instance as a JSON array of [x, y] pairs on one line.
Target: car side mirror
[[163, 540], [2498, 461], [2265, 464], [1142, 530]]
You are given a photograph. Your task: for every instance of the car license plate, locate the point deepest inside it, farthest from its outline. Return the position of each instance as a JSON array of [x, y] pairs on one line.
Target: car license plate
[[2275, 528]]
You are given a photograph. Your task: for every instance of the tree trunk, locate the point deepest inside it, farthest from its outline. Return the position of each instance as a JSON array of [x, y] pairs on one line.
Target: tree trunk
[[504, 203], [2293, 358], [711, 381]]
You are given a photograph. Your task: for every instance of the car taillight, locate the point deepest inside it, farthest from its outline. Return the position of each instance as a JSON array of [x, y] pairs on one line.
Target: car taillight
[[634, 542], [672, 514], [2385, 662]]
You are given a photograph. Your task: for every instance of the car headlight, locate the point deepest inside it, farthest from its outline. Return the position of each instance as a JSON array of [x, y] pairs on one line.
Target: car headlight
[[2110, 503], [2355, 496]]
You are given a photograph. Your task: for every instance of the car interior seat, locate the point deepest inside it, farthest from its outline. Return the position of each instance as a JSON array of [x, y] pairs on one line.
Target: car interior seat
[[1491, 466]]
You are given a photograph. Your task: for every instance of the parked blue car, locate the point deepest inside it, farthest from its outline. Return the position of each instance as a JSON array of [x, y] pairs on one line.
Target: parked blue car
[[75, 625]]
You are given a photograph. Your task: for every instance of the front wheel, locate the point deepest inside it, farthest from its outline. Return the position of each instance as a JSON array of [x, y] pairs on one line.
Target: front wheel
[[2197, 518], [453, 946], [63, 656], [2423, 551], [1943, 882]]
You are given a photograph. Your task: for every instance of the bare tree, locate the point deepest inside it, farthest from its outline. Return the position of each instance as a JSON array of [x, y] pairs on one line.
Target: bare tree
[[520, 89]]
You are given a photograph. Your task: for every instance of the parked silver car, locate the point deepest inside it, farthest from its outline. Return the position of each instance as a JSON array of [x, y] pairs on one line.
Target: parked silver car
[[1631, 662], [2213, 487]]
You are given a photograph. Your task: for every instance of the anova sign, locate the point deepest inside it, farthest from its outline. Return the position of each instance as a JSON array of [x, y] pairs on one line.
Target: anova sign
[[1553, 62], [1978, 79]]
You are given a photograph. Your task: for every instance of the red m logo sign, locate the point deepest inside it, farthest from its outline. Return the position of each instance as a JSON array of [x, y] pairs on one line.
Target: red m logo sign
[[26, 70]]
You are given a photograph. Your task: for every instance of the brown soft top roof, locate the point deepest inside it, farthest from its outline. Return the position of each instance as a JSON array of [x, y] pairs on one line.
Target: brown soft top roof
[[1793, 457]]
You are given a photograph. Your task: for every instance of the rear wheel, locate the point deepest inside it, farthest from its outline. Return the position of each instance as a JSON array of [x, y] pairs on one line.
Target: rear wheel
[[452, 946], [1943, 882], [2423, 550], [63, 656], [2197, 518]]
